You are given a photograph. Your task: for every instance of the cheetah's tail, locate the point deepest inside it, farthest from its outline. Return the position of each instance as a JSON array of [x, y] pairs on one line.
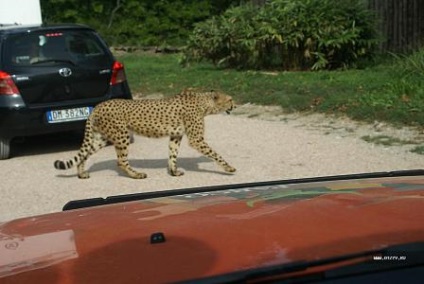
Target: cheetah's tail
[[65, 165], [76, 160]]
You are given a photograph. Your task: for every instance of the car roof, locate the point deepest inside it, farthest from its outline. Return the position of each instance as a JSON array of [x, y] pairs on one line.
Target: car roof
[[11, 28], [206, 233]]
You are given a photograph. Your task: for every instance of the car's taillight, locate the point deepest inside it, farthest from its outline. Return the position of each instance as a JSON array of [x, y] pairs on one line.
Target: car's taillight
[[118, 73], [7, 86]]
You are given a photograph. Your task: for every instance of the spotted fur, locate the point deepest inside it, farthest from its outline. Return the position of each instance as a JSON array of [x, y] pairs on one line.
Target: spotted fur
[[113, 121]]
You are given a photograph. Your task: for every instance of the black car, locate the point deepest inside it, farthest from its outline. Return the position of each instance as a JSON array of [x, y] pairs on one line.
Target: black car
[[51, 77]]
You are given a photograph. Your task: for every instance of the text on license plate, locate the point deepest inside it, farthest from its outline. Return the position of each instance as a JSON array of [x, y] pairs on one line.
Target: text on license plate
[[73, 114]]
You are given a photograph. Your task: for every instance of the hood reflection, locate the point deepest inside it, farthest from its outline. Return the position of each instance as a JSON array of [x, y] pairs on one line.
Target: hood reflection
[[24, 253]]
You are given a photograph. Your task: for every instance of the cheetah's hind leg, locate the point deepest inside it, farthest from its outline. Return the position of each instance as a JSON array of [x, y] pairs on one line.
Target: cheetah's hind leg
[[93, 144], [93, 141], [121, 148]]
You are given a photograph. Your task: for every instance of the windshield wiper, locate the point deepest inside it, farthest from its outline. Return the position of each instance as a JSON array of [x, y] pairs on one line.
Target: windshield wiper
[[397, 256], [55, 60]]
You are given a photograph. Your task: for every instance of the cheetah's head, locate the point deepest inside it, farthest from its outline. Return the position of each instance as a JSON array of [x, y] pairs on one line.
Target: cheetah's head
[[220, 103]]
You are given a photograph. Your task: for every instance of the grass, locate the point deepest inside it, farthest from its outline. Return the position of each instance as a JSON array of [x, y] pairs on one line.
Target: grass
[[386, 92], [387, 140], [418, 150]]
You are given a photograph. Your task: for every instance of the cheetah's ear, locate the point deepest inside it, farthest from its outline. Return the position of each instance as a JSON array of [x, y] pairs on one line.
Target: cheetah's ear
[[214, 94]]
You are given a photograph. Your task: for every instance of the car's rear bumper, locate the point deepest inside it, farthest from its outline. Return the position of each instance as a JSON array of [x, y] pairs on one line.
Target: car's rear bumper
[[17, 119], [28, 122]]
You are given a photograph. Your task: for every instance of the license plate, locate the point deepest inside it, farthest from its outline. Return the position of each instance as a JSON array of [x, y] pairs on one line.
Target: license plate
[[65, 115]]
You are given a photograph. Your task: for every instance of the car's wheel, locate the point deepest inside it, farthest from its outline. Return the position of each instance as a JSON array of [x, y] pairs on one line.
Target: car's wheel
[[4, 148]]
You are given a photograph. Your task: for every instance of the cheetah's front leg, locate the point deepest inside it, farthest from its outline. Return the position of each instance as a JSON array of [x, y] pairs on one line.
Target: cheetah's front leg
[[174, 145], [200, 145]]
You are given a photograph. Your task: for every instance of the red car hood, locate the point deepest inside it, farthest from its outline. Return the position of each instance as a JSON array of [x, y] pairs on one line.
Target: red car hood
[[210, 233]]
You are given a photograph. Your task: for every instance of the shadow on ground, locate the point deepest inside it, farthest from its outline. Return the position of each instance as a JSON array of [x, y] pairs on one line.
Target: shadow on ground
[[45, 144], [184, 164]]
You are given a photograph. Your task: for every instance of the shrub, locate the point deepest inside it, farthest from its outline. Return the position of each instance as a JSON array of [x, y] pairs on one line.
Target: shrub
[[286, 34]]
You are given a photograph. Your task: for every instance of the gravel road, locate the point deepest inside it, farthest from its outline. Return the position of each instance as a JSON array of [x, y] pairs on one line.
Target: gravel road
[[261, 142]]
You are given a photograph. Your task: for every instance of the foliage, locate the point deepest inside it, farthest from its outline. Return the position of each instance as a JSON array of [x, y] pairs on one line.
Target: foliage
[[135, 22], [286, 34]]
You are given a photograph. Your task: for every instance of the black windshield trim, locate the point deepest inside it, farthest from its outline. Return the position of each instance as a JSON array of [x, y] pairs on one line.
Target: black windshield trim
[[84, 203]]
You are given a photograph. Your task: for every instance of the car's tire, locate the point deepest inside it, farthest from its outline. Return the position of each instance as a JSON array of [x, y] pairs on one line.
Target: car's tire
[[4, 148]]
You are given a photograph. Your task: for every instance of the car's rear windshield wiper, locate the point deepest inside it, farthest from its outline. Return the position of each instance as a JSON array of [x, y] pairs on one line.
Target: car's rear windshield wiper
[[405, 255], [54, 60]]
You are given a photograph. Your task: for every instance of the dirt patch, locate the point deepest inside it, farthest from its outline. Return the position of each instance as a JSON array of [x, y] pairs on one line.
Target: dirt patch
[[378, 133]]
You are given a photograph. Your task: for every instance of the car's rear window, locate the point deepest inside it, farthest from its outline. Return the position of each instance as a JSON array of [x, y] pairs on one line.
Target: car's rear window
[[50, 48]]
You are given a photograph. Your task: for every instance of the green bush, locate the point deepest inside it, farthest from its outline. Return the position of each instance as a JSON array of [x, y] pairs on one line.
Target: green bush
[[286, 34]]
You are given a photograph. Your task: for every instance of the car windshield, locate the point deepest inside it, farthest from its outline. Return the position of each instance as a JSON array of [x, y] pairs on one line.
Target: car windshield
[[50, 48]]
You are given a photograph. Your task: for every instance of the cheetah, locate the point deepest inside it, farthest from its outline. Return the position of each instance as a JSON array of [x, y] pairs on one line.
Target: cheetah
[[114, 120]]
